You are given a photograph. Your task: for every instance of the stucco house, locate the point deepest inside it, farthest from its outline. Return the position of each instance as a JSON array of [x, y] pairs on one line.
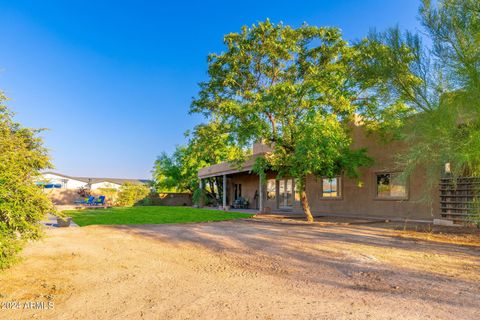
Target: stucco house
[[62, 181], [380, 194]]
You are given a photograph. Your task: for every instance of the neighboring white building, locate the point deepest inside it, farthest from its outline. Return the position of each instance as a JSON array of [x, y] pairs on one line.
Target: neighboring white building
[[104, 184], [61, 181], [66, 182]]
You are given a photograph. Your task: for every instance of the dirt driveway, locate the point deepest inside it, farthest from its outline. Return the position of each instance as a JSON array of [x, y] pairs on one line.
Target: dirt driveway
[[250, 269]]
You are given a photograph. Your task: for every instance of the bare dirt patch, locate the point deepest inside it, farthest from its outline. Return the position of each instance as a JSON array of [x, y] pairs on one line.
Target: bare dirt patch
[[251, 269]]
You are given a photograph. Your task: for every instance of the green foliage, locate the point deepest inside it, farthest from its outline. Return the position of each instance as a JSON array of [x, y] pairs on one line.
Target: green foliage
[[132, 194], [110, 194], [440, 85], [198, 196], [22, 203], [170, 172], [322, 149], [291, 89], [9, 247], [271, 77], [150, 215], [208, 144]]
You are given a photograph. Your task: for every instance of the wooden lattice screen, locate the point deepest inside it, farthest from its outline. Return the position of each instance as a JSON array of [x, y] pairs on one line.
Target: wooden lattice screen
[[458, 199]]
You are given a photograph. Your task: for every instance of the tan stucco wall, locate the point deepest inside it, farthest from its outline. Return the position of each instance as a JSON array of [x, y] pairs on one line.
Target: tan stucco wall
[[249, 184], [362, 201], [358, 196]]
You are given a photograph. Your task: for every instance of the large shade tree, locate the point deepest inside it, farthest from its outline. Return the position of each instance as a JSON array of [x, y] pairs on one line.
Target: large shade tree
[[291, 89]]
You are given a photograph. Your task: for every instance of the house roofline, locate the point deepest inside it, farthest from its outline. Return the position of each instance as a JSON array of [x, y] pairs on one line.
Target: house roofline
[[224, 168], [93, 180]]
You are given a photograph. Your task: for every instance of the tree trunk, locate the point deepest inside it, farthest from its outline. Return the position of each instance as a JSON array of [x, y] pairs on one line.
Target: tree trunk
[[304, 200], [219, 184], [212, 189], [306, 206]]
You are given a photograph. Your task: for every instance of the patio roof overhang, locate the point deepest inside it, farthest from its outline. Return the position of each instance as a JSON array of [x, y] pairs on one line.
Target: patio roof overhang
[[227, 168]]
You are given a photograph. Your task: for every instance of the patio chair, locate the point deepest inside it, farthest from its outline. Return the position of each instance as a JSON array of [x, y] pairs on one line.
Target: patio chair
[[90, 201], [240, 203], [100, 201]]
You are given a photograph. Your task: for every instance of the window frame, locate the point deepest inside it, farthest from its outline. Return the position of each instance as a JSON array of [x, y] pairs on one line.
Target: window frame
[[296, 193], [390, 198], [339, 189], [275, 197]]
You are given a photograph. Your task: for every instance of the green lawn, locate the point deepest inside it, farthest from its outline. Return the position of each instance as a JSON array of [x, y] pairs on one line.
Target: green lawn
[[150, 215]]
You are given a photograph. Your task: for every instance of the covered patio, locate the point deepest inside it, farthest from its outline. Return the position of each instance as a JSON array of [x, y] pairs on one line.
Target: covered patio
[[237, 182], [242, 185]]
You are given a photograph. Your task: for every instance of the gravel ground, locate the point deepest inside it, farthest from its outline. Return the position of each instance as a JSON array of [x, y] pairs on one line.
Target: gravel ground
[[246, 269]]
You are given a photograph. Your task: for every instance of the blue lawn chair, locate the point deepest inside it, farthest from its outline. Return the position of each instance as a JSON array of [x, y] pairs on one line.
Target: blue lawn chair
[[90, 201], [100, 201]]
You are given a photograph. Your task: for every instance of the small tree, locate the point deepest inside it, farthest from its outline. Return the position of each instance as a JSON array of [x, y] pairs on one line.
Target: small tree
[[439, 87], [22, 203], [175, 172], [292, 89], [208, 144], [131, 194]]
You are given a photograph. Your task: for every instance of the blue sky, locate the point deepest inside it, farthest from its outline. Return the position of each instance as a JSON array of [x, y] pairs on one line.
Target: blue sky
[[113, 80]]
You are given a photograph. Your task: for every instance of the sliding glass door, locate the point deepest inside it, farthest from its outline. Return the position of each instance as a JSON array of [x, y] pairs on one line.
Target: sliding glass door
[[285, 191]]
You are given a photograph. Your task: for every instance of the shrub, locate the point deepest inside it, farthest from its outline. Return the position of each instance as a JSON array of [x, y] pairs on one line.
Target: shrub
[[110, 194], [131, 194], [203, 197], [147, 201], [22, 203], [9, 246]]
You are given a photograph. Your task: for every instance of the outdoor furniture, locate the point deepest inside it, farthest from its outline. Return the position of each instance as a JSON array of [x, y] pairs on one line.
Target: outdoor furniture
[[90, 201], [86, 201], [100, 201], [52, 186], [240, 203]]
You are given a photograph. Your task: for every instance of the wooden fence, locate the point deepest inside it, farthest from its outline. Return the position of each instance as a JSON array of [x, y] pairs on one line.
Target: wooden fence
[[459, 198]]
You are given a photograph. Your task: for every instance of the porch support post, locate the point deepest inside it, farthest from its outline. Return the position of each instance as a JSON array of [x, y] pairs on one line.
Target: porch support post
[[200, 186], [260, 194], [224, 193]]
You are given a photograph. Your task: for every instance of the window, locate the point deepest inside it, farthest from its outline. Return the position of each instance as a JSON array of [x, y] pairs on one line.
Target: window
[[285, 191], [331, 188], [296, 190], [391, 185], [271, 189]]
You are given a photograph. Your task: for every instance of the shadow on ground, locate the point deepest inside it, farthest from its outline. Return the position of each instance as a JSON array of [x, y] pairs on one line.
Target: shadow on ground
[[367, 258]]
